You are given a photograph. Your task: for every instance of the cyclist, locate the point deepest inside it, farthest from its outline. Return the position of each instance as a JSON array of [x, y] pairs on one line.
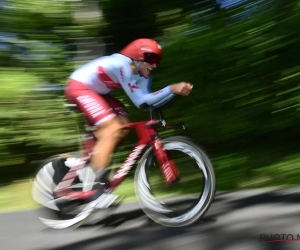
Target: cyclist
[[89, 87]]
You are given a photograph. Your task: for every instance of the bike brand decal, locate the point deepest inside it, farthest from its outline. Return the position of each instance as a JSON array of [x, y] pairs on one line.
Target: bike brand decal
[[167, 171], [127, 165]]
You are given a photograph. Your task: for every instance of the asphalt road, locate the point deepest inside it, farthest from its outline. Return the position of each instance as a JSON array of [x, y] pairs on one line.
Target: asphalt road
[[235, 221]]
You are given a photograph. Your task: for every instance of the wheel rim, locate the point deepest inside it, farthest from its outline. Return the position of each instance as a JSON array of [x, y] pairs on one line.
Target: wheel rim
[[158, 210]]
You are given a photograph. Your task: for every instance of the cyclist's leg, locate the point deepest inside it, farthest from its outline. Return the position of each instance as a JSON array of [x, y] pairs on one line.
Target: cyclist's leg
[[121, 112], [109, 134], [107, 115], [104, 112]]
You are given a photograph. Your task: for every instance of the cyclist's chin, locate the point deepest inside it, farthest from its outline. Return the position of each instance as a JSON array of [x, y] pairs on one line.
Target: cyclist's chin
[[146, 73]]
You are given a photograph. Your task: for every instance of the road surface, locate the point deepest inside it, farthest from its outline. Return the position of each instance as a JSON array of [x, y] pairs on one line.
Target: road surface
[[236, 220]]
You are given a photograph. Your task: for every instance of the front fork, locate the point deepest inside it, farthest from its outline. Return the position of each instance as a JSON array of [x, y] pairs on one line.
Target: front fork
[[167, 166]]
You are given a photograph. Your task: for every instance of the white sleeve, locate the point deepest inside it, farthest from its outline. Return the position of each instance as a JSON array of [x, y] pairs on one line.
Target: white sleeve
[[164, 99], [139, 92], [145, 86]]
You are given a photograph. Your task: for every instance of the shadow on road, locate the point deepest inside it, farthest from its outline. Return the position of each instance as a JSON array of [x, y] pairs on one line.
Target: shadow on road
[[208, 233], [138, 237], [279, 197]]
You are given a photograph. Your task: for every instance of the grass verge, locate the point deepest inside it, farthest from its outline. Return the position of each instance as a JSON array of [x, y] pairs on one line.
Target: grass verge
[[247, 169]]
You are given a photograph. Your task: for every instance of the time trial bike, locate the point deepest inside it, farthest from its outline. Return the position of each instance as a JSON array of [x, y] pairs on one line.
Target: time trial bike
[[174, 180]]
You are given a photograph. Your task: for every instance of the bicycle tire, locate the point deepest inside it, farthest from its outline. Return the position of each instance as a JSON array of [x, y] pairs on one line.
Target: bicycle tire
[[50, 172], [159, 211]]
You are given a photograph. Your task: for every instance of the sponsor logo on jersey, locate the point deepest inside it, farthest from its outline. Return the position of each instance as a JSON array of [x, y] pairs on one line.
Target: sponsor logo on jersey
[[132, 86], [157, 92], [122, 73], [91, 105], [106, 79]]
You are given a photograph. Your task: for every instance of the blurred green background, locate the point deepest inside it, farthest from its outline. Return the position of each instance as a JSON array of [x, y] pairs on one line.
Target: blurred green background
[[241, 55]]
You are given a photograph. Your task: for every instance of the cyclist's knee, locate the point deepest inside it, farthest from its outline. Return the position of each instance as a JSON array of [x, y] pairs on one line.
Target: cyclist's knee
[[124, 120], [111, 129]]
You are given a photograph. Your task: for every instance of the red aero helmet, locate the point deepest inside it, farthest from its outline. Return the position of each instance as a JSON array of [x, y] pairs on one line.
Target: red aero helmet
[[143, 49]]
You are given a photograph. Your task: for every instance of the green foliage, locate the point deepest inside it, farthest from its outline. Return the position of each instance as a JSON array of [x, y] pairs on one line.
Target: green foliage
[[30, 120], [245, 71], [246, 87], [38, 45], [245, 77]]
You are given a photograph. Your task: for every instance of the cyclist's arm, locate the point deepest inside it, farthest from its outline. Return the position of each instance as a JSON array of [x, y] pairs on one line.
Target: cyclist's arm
[[140, 94], [145, 86], [169, 97]]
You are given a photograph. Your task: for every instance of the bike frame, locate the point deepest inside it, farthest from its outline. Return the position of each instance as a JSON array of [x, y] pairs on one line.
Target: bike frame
[[148, 136]]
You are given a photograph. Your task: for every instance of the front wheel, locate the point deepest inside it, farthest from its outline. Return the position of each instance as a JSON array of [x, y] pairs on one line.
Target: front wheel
[[185, 201]]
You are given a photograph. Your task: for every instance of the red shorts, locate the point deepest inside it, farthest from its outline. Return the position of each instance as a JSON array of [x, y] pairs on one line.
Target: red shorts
[[96, 108]]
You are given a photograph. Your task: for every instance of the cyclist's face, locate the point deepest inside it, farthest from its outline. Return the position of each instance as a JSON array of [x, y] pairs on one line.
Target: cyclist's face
[[146, 69]]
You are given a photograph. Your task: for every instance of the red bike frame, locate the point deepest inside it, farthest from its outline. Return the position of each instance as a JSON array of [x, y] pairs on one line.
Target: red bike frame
[[148, 135]]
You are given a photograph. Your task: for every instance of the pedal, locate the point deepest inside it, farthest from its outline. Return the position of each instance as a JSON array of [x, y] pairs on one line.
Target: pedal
[[105, 200]]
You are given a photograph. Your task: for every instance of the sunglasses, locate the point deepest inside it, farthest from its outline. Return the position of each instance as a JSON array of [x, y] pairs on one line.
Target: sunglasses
[[151, 58]]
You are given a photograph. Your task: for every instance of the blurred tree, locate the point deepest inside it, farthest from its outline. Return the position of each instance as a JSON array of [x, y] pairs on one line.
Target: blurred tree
[[38, 42], [129, 20], [243, 60]]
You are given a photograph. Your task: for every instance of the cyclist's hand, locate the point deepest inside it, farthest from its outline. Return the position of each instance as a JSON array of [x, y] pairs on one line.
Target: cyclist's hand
[[182, 88]]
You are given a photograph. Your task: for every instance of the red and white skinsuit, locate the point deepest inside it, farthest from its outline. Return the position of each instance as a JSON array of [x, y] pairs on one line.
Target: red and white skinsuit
[[90, 85]]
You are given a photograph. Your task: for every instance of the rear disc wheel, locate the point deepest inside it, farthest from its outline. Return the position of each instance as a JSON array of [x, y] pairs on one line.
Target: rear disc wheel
[[48, 176]]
